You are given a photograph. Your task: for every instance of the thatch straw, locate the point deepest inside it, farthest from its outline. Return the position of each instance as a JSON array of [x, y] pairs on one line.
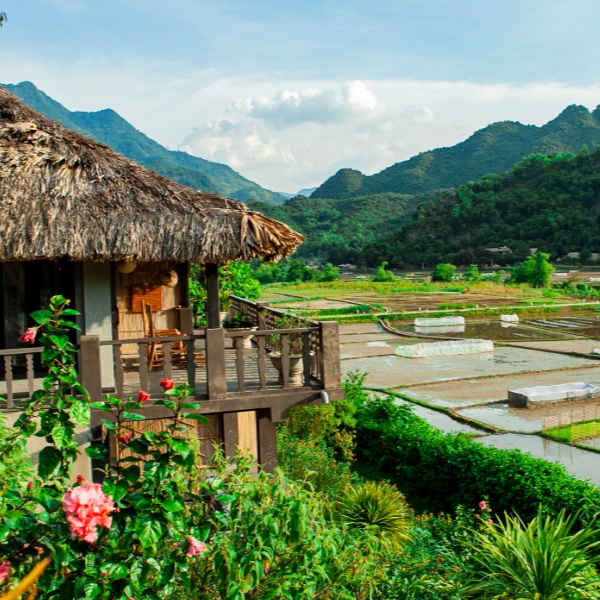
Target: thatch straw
[[64, 195]]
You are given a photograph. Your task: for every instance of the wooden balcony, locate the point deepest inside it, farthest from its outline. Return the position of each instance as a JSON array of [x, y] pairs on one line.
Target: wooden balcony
[[226, 376]]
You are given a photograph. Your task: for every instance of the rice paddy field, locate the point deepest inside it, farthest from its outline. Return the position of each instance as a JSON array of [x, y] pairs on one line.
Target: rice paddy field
[[557, 340]]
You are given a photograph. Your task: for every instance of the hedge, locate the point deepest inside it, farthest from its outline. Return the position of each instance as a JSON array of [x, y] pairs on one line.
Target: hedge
[[440, 471]]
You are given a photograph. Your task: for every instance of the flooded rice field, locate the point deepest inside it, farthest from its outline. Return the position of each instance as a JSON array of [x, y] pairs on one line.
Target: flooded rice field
[[580, 463], [391, 371], [488, 330]]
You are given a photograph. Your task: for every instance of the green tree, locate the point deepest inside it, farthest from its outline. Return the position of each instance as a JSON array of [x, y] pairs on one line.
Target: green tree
[[330, 273], [443, 272], [536, 270], [3, 18], [472, 274], [382, 275]]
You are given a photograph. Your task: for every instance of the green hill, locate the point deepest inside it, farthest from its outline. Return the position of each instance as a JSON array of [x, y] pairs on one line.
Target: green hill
[[339, 230], [111, 129], [551, 203], [493, 149]]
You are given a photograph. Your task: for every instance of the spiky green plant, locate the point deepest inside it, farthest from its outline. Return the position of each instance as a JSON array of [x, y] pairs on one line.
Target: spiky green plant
[[543, 560], [378, 508]]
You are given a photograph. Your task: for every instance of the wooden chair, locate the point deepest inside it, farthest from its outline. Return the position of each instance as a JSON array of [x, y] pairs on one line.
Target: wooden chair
[[154, 351]]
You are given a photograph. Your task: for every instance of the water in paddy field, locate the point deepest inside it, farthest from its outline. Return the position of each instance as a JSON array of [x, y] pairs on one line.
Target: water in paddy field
[[588, 326], [580, 463], [488, 330]]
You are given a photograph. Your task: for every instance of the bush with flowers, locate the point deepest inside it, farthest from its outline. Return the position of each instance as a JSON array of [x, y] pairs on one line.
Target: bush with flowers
[[158, 526]]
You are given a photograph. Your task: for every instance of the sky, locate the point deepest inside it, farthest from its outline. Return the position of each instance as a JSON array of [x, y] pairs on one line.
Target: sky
[[288, 92]]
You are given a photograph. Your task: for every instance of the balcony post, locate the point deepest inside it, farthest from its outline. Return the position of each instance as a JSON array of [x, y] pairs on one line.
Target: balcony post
[[215, 364], [186, 321], [212, 296], [330, 353], [91, 366], [267, 440]]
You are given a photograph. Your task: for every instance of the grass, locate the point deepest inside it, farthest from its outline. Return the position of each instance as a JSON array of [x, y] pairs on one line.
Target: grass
[[575, 432]]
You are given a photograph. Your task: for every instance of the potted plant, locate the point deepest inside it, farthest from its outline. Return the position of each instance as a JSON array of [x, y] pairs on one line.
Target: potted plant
[[241, 321], [295, 349]]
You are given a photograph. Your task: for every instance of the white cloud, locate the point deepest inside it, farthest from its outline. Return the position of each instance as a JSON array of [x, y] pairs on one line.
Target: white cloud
[[299, 136]]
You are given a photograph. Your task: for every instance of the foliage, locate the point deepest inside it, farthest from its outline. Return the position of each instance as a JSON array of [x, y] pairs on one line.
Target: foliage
[[542, 560], [295, 340], [275, 538], [3, 18], [472, 274], [153, 518], [543, 202], [439, 471], [240, 320], [443, 272], [235, 279], [381, 275], [535, 270], [330, 273], [338, 231], [376, 507]]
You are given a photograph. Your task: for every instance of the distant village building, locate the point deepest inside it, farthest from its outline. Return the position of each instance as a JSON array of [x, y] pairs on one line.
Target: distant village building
[[500, 250], [347, 267]]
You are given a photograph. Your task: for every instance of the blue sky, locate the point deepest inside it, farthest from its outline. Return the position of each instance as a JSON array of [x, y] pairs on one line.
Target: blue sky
[[287, 92]]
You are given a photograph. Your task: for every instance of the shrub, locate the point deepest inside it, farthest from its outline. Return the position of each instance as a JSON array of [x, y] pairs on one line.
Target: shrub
[[438, 471], [443, 272], [541, 560]]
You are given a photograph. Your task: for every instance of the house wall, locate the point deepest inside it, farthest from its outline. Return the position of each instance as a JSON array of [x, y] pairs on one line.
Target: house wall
[[97, 311], [130, 323]]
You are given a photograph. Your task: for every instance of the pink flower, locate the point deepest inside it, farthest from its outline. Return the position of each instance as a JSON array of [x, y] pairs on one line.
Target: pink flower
[[5, 570], [482, 505], [143, 396], [87, 507], [80, 479], [125, 438], [490, 522], [167, 384], [29, 335], [196, 547]]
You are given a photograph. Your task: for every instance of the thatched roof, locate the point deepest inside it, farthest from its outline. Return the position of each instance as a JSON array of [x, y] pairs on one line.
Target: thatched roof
[[64, 195]]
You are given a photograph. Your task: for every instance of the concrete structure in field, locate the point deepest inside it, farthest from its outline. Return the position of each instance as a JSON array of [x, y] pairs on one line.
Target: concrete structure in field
[[83, 221]]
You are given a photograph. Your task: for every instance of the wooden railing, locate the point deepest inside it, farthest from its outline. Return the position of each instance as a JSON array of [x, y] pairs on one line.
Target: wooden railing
[[21, 381], [218, 365]]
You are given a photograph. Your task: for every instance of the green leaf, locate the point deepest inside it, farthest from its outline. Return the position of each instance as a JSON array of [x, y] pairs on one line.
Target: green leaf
[[109, 425], [116, 489], [97, 451], [172, 505], [70, 311], [80, 412], [180, 446], [41, 316], [117, 571], [197, 417], [133, 416], [148, 531], [60, 341], [131, 474], [49, 459], [61, 436]]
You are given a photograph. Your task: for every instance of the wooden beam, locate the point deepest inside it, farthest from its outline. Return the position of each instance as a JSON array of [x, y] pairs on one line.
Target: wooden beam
[[212, 296], [330, 349], [230, 433], [215, 364], [267, 441], [90, 366]]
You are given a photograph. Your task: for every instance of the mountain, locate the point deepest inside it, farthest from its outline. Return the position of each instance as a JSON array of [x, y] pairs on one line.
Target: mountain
[[551, 203], [493, 149], [110, 128], [339, 230]]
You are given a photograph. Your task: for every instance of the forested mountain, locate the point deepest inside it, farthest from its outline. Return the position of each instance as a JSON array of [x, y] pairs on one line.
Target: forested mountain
[[551, 203], [493, 149], [108, 127], [339, 230]]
